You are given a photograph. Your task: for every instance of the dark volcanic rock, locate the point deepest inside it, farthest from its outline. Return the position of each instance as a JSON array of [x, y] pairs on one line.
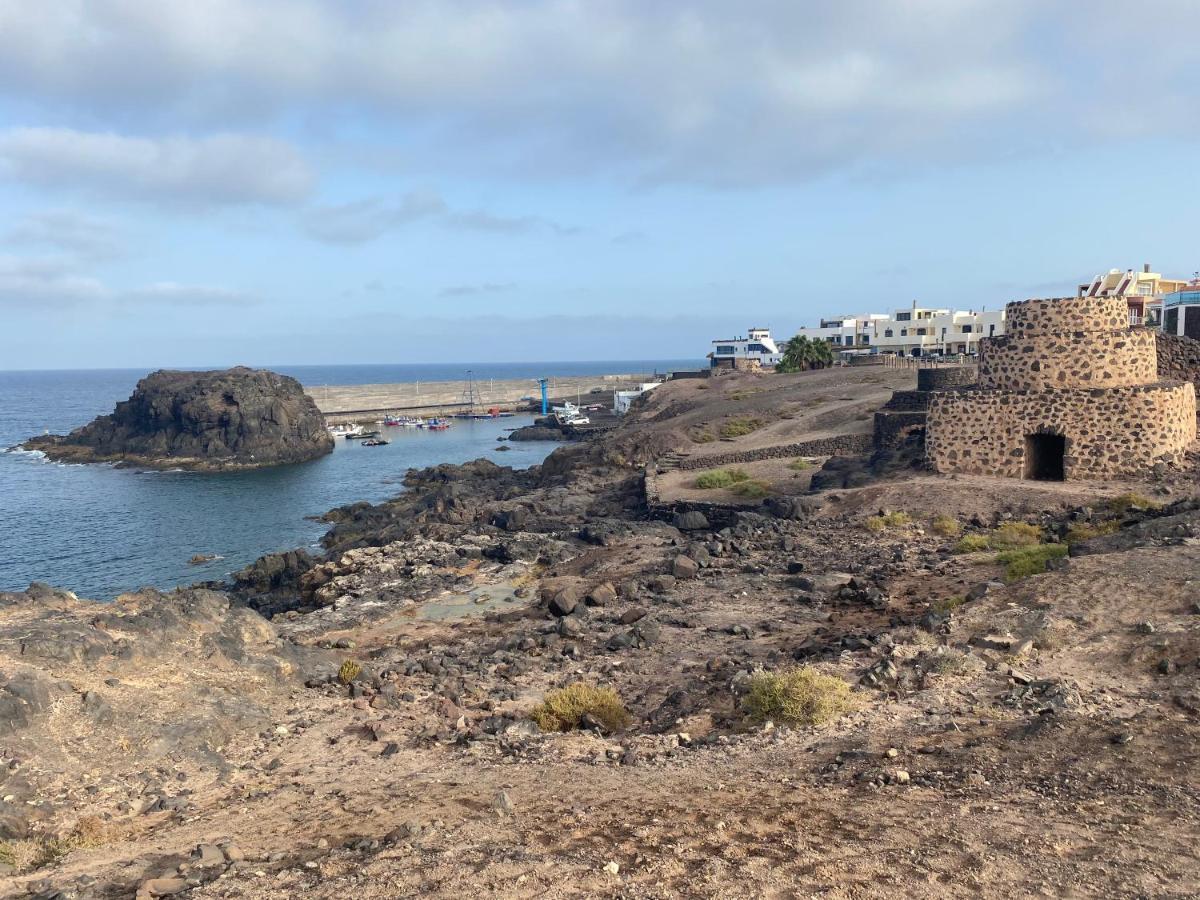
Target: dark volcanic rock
[[232, 419]]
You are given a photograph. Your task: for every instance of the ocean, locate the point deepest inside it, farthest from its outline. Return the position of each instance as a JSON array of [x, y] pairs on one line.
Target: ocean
[[99, 531]]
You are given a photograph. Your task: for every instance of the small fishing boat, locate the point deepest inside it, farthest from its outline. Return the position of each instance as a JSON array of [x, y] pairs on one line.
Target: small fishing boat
[[362, 435], [345, 429], [437, 424], [374, 442]]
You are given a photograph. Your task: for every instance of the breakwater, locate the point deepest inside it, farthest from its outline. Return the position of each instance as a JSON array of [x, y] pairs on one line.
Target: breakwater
[[346, 402]]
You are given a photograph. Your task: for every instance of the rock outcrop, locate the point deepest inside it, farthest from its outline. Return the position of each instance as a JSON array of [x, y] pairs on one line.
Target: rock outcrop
[[231, 419]]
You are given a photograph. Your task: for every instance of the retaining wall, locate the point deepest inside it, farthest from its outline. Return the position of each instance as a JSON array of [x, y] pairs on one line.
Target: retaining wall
[[830, 446]]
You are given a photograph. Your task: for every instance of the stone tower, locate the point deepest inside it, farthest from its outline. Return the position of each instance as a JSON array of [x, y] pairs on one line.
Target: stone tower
[[1069, 392]]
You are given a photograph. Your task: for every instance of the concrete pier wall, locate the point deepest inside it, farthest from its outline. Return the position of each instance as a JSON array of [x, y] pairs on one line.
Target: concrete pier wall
[[346, 402]]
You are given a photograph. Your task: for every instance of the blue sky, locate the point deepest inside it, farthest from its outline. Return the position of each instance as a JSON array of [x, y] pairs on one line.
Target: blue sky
[[271, 182]]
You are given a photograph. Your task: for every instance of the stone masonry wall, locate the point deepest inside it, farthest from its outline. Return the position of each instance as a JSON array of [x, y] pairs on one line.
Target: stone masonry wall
[[1077, 359], [1178, 358], [1058, 316], [830, 446], [1108, 432], [940, 379]]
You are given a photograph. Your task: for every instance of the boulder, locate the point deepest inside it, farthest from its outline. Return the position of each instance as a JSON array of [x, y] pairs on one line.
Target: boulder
[[691, 521], [230, 419]]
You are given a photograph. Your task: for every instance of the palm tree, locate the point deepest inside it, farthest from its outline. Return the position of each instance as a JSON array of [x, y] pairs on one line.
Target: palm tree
[[801, 353]]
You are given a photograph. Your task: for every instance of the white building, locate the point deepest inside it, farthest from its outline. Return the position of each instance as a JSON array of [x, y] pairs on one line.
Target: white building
[[622, 399], [916, 331], [756, 347]]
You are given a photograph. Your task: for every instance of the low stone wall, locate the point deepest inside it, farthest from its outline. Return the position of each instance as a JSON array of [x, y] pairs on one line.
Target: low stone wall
[[945, 378], [908, 401], [840, 444], [1077, 359], [892, 428], [1178, 358], [1108, 432]]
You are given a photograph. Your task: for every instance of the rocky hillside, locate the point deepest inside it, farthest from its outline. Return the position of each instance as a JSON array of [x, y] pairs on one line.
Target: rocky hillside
[[231, 419]]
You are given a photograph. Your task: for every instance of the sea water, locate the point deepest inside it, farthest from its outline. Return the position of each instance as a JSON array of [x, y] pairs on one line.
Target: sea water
[[99, 530]]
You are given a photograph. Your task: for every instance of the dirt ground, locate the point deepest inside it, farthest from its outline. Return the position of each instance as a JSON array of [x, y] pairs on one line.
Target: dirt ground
[[1008, 737]]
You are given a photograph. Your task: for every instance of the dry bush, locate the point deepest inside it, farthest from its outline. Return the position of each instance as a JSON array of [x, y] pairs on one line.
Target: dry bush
[[349, 671], [1029, 560], [800, 465], [1082, 531], [720, 478], [1009, 536], [564, 709], [946, 526], [753, 489], [739, 427], [882, 522], [799, 695], [1122, 503]]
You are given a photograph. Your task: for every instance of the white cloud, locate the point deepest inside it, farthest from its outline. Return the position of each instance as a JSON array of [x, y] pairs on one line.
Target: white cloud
[[366, 220], [209, 171], [83, 235], [45, 282], [709, 91]]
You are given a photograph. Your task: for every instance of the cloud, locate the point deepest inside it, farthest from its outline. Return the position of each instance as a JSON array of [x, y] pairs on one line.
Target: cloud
[[366, 220], [361, 221], [218, 170], [82, 235], [170, 293], [45, 282], [467, 290], [712, 92], [59, 282]]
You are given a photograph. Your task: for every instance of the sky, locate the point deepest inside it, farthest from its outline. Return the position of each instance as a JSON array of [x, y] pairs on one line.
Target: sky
[[329, 181]]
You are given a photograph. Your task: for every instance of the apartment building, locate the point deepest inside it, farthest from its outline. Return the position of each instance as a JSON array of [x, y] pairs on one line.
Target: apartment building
[[915, 331], [1143, 291]]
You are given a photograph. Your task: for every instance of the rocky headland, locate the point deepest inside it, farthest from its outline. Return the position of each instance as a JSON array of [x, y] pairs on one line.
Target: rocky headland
[[371, 720], [236, 418]]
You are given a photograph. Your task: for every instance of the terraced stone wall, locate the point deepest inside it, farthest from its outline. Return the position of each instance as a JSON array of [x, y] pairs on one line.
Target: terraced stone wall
[[1107, 432], [1077, 359]]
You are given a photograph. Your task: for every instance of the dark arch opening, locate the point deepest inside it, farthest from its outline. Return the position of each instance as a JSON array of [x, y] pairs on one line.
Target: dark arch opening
[[1044, 456]]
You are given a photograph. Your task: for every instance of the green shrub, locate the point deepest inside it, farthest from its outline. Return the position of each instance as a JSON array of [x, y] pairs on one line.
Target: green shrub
[[1083, 531], [799, 695], [1028, 561], [720, 478], [1122, 503], [753, 489], [972, 543], [564, 709], [887, 520], [1009, 536], [799, 465], [739, 427], [1014, 535], [703, 437], [349, 671], [946, 526]]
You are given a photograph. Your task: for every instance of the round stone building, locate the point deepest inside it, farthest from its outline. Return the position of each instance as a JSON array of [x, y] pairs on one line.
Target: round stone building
[[1069, 392]]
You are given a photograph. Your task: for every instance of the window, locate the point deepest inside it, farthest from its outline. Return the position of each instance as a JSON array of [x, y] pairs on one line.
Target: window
[[903, 332], [758, 348], [866, 339], [991, 330], [943, 331], [903, 317], [921, 330], [967, 329], [725, 350], [887, 332]]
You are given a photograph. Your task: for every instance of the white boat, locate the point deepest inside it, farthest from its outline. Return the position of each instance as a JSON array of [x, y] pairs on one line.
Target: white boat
[[569, 414], [345, 429]]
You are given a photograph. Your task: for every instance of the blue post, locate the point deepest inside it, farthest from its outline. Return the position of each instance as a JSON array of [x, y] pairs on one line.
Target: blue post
[[545, 398]]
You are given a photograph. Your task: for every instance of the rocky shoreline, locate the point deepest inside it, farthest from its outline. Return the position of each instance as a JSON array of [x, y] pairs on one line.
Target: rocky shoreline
[[359, 722]]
